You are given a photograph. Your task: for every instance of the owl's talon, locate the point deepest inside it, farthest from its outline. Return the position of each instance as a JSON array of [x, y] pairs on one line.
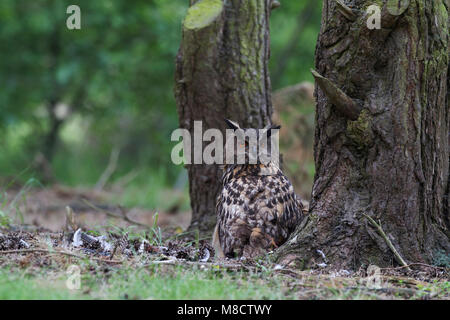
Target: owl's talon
[[272, 242]]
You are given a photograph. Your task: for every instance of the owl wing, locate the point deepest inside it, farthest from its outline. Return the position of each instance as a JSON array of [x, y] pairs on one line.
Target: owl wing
[[283, 205], [254, 212], [233, 228], [293, 212]]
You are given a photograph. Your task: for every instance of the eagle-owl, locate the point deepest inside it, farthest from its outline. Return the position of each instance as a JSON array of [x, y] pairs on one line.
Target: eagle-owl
[[256, 211]]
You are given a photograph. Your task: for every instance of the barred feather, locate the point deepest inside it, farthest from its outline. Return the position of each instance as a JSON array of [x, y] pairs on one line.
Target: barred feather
[[256, 212]]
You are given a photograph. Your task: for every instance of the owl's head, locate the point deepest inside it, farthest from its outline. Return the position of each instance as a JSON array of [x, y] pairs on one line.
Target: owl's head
[[251, 146]]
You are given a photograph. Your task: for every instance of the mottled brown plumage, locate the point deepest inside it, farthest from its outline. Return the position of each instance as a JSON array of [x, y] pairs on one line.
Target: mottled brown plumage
[[256, 211]]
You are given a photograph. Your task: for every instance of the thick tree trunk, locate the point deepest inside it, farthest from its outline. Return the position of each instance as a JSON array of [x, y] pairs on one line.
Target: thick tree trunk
[[221, 72], [382, 137]]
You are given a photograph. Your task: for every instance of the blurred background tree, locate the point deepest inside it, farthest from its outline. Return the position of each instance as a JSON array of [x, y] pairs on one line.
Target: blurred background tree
[[72, 101]]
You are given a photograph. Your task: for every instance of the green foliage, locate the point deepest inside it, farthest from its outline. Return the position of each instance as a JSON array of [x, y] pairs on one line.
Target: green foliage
[[110, 85], [5, 220], [156, 234], [114, 77], [11, 209], [293, 41], [151, 281]]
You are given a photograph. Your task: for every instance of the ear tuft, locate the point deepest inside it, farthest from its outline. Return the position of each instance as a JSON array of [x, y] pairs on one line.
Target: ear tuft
[[233, 125]]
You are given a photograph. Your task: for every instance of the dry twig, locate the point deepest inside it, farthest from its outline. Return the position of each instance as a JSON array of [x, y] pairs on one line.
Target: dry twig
[[124, 215], [417, 264], [389, 243]]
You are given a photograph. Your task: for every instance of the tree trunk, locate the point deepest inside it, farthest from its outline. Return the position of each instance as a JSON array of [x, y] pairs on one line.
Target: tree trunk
[[289, 51], [382, 138], [51, 138], [221, 72]]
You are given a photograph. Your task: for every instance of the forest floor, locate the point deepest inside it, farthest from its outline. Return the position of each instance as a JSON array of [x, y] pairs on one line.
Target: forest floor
[[62, 243]]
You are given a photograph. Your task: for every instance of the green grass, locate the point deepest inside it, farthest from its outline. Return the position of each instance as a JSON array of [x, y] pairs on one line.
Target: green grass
[[17, 285], [155, 282], [185, 284], [181, 282], [10, 210]]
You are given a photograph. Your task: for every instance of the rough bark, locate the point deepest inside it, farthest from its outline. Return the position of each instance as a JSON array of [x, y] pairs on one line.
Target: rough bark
[[221, 72], [392, 162], [51, 138]]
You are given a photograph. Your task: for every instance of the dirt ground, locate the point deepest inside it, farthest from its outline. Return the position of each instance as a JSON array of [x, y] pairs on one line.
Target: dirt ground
[[46, 208], [50, 226]]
